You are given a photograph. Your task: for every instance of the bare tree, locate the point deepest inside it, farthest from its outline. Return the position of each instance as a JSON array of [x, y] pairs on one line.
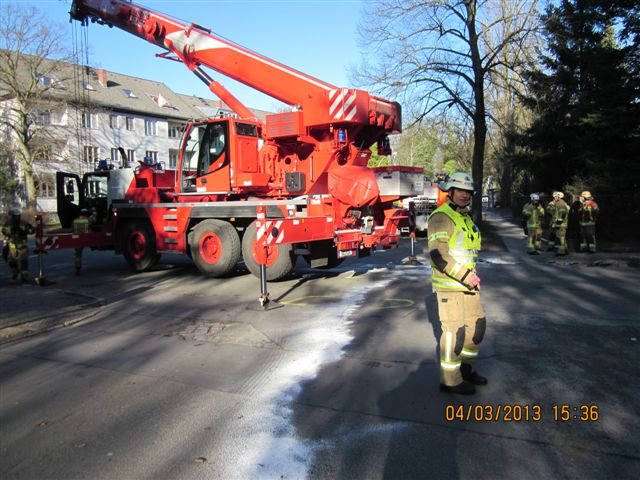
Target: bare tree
[[28, 42], [508, 114], [437, 55]]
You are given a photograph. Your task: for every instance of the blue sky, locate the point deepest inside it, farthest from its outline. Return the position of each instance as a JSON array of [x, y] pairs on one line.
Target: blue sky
[[317, 37]]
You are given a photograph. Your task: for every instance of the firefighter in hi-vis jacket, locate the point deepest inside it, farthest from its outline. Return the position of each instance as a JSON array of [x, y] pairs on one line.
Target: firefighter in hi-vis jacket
[[15, 232], [454, 243], [533, 213], [587, 215], [559, 213]]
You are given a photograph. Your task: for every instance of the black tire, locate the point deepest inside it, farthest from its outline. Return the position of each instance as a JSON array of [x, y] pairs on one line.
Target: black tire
[[280, 258], [215, 247], [138, 244]]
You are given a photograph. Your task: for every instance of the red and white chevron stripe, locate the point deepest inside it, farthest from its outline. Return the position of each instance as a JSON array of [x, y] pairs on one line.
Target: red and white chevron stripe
[[343, 105], [48, 243], [267, 229]]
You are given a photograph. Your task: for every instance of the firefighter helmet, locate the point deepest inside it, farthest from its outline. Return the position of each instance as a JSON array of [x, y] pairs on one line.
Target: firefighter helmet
[[459, 180], [586, 195], [534, 197]]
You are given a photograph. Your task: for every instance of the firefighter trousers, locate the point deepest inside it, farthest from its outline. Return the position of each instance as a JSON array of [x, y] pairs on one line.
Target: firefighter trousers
[[18, 261], [534, 240], [561, 240], [588, 238], [463, 327]]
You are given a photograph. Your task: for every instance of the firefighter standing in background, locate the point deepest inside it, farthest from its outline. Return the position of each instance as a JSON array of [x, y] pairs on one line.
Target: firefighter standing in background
[[587, 215], [559, 212], [82, 224], [454, 243], [533, 214], [15, 232]]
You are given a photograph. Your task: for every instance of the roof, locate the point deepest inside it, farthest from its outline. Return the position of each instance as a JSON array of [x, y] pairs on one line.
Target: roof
[[124, 93], [214, 108]]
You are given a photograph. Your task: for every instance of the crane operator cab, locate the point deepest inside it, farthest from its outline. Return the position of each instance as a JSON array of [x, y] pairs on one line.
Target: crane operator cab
[[205, 163], [221, 156]]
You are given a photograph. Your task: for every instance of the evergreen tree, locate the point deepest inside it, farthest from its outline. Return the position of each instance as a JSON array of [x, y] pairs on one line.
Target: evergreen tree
[[585, 98]]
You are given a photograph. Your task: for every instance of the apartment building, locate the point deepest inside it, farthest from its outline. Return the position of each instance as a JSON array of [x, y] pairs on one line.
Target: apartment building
[[102, 114]]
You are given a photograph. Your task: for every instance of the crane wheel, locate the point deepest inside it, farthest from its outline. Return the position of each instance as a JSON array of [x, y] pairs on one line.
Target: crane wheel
[[215, 247], [138, 244], [280, 258]]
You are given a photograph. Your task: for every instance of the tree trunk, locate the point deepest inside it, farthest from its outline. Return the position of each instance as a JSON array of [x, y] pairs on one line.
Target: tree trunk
[[479, 118], [477, 166]]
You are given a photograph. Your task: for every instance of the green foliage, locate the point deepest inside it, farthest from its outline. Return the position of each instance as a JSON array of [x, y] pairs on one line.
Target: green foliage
[[9, 185], [450, 166], [433, 146], [586, 100], [379, 160]]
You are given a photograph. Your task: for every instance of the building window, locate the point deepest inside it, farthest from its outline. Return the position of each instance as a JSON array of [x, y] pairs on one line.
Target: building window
[[173, 158], [45, 187], [131, 156], [175, 130], [88, 120], [114, 156], [47, 81], [43, 117], [113, 121], [129, 93], [42, 153], [90, 154], [150, 128], [129, 122], [151, 155]]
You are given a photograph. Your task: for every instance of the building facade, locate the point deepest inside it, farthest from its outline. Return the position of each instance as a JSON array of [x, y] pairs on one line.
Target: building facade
[[104, 115]]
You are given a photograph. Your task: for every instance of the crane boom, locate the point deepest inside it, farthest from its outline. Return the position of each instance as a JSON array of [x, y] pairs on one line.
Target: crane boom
[[197, 46]]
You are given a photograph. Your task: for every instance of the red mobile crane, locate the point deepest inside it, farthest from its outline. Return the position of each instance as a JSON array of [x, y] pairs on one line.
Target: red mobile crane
[[297, 184]]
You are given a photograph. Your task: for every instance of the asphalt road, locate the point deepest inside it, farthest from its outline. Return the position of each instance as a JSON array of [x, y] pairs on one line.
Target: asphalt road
[[171, 375]]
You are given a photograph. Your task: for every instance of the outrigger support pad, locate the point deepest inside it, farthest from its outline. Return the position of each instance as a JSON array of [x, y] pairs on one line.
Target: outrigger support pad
[[40, 279], [412, 259]]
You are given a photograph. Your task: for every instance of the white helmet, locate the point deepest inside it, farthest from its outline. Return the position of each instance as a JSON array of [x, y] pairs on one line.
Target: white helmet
[[534, 197], [459, 180], [558, 195]]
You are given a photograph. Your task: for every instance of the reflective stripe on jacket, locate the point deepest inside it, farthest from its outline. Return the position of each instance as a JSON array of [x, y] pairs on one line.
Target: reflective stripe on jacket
[[463, 247], [588, 212], [533, 214], [80, 225], [559, 211]]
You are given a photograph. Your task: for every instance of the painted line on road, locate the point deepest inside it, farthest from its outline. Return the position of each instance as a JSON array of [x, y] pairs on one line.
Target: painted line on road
[[310, 300]]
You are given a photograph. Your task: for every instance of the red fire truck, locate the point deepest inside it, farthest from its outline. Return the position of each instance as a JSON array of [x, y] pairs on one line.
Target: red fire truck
[[295, 184]]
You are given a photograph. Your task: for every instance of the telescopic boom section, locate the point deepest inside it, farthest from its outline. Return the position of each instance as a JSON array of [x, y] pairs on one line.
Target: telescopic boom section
[[322, 103]]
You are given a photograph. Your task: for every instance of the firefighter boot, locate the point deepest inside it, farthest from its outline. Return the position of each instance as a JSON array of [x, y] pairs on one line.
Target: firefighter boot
[[472, 377], [464, 388]]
